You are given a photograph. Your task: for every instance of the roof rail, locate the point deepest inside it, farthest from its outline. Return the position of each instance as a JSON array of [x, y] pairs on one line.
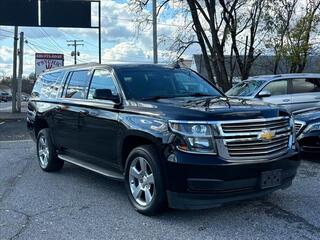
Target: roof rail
[[74, 66]]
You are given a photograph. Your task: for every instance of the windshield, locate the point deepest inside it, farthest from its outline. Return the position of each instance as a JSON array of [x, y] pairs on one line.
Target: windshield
[[155, 83], [246, 88]]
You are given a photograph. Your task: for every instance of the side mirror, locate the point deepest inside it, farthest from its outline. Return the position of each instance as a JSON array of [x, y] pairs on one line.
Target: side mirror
[[105, 94], [264, 93]]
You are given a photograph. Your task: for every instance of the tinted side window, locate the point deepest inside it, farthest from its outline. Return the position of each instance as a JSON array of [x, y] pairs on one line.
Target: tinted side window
[[48, 85], [78, 85], [102, 79], [305, 85], [277, 87], [37, 88]]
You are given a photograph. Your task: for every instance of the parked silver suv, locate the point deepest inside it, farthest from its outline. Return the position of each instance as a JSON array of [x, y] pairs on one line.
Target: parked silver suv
[[293, 91]]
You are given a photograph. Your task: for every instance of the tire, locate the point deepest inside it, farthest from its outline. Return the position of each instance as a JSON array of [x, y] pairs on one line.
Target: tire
[[138, 179], [47, 156]]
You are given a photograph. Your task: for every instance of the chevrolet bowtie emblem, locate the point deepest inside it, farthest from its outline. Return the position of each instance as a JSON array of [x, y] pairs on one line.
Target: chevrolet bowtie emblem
[[266, 135]]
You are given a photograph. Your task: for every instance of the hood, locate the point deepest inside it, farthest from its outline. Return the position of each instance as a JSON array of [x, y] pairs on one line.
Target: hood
[[309, 116], [210, 108]]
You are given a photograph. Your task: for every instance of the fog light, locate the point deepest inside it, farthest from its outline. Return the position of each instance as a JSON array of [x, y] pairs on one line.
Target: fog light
[[172, 158]]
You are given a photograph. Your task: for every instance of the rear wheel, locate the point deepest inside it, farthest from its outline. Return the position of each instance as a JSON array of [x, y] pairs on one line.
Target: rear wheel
[[144, 181], [47, 156]]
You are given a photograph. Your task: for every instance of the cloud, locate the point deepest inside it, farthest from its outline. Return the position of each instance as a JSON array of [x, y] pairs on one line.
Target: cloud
[[6, 55], [126, 51], [121, 41]]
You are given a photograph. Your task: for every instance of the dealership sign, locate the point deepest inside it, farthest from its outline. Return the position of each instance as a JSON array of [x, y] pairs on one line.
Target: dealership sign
[[46, 61]]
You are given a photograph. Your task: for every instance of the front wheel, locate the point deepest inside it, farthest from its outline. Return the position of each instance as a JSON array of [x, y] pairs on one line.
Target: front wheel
[[144, 181]]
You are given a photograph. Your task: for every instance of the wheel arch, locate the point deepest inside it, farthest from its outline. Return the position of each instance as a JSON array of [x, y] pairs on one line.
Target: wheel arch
[[40, 123], [135, 139]]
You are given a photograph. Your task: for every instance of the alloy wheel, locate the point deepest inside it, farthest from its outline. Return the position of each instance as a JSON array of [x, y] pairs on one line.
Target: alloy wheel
[[141, 181], [43, 152]]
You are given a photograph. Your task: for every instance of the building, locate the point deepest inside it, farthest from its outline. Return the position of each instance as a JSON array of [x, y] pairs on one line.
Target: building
[[262, 66]]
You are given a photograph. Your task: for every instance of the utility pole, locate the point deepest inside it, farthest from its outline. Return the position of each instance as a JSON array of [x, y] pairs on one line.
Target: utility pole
[[155, 33], [75, 44], [20, 71], [100, 50], [14, 73]]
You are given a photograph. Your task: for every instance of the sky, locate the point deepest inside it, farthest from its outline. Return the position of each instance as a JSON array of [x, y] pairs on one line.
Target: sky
[[121, 41]]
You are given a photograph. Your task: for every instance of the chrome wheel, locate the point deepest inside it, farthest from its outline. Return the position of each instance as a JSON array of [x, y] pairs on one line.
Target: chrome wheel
[[141, 181], [43, 151]]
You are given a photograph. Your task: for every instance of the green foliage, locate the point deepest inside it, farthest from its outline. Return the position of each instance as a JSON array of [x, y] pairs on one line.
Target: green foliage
[[292, 29]]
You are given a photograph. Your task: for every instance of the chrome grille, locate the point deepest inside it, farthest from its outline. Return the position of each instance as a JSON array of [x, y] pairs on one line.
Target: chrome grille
[[241, 127], [298, 125], [241, 138]]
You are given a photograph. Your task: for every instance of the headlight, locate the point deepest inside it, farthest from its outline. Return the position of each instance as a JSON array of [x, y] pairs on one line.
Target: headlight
[[312, 128], [145, 123], [198, 138]]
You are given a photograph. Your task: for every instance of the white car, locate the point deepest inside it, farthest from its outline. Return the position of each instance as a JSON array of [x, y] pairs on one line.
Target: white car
[[293, 91]]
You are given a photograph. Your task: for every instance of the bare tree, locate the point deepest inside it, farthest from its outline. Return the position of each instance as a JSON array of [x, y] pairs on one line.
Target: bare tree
[[217, 24], [238, 25], [284, 11]]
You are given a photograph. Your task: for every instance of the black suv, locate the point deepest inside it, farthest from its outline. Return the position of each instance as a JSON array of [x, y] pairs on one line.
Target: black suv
[[170, 135]]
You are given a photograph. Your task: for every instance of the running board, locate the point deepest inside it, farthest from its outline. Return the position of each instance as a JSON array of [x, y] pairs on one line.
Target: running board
[[91, 167]]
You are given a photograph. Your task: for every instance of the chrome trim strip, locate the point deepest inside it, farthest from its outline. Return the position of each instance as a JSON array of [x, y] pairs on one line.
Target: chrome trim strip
[[262, 158], [259, 152], [191, 135], [245, 143], [254, 133], [302, 125], [91, 167], [272, 145], [198, 153], [228, 121], [255, 138], [256, 126]]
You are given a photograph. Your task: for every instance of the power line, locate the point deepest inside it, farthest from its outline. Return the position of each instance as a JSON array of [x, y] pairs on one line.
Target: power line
[[2, 35], [30, 47], [148, 20], [46, 48], [52, 39], [39, 48], [6, 31]]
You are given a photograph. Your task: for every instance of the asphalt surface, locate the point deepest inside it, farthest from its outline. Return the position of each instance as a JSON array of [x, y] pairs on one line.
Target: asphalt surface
[[77, 204], [15, 129], [7, 106]]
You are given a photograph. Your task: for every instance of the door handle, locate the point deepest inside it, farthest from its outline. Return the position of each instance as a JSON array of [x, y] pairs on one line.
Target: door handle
[[84, 113], [286, 100]]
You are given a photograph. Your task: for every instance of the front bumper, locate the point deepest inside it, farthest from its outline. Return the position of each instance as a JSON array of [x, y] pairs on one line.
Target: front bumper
[[310, 143], [191, 186]]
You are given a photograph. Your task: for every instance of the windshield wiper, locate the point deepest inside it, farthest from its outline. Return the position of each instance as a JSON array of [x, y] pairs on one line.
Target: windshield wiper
[[198, 94], [157, 97], [177, 96]]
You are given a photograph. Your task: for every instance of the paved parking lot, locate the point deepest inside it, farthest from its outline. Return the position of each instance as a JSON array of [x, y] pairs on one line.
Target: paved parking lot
[[78, 204], [7, 106]]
